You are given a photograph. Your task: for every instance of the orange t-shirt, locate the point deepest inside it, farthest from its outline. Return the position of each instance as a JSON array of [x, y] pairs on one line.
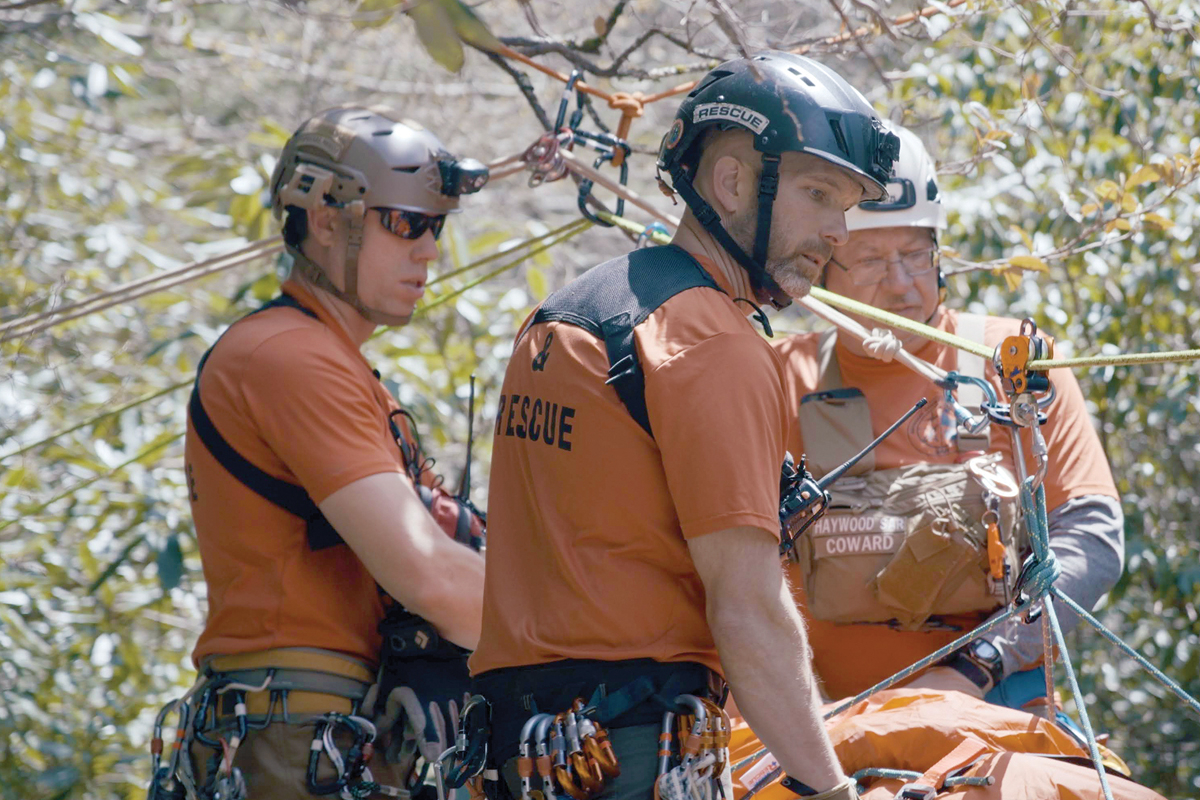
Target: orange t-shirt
[[589, 517], [852, 658], [293, 396]]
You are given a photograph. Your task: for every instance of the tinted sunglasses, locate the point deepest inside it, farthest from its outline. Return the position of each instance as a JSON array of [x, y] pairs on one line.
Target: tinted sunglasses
[[411, 224]]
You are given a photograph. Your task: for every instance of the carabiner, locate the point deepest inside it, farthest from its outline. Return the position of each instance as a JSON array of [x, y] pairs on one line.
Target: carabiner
[[525, 757], [585, 189], [664, 742], [595, 742], [471, 744], [542, 750], [689, 747]]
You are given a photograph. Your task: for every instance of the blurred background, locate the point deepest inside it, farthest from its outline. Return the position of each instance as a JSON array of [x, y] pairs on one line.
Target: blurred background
[[136, 138]]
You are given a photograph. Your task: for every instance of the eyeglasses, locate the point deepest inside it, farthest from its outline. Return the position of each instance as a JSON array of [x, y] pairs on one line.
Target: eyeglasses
[[411, 224], [874, 270]]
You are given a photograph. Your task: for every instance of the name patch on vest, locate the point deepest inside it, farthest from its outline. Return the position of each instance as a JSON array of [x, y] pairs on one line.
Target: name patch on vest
[[746, 117], [854, 534]]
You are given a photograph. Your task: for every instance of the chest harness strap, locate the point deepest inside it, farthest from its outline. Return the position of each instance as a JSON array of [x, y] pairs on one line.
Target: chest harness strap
[[613, 298], [288, 496]]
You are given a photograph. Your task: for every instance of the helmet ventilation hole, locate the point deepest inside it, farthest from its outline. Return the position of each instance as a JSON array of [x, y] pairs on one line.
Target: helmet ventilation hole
[[835, 125]]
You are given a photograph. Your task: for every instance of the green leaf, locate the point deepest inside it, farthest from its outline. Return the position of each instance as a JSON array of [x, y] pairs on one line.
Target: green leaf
[[1157, 221], [469, 27], [1029, 263], [375, 13], [437, 34], [537, 281], [1147, 174], [1107, 190], [170, 563]]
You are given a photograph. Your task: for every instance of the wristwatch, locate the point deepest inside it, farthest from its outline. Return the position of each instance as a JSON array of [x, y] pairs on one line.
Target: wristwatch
[[979, 662]]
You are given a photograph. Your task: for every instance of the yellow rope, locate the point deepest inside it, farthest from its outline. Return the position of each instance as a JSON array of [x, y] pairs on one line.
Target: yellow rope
[[949, 339], [1119, 360], [501, 253], [579, 227], [97, 418], [900, 323]]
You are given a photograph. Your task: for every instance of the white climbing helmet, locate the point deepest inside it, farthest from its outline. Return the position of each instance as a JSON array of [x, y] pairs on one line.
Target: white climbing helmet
[[913, 199]]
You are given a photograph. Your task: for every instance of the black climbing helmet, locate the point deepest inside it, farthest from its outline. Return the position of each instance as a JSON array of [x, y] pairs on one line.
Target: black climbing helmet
[[797, 105]]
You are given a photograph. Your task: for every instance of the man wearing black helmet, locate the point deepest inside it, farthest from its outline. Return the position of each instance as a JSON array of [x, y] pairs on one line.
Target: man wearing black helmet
[[315, 511], [634, 497]]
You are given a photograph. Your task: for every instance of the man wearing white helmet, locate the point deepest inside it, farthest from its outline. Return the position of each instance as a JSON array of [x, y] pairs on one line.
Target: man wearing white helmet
[[897, 569], [322, 532]]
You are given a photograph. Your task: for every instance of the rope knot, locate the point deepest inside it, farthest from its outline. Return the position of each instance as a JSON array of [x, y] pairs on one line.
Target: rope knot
[[882, 344], [630, 105]]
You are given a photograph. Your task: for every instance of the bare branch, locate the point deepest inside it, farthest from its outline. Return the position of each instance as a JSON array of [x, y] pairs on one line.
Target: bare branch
[[732, 27], [858, 42], [23, 4], [524, 85]]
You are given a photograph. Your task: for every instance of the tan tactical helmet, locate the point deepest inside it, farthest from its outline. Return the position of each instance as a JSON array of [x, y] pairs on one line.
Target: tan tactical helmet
[[355, 158]]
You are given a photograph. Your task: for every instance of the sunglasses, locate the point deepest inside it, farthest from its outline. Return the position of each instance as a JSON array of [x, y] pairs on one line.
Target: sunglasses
[[411, 224]]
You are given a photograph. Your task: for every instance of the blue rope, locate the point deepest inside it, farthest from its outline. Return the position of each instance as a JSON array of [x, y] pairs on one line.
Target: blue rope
[[1081, 709], [1145, 664], [1041, 569], [938, 655], [881, 772]]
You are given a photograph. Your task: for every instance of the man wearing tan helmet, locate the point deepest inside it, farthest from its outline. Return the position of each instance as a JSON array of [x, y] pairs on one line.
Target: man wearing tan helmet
[[316, 514]]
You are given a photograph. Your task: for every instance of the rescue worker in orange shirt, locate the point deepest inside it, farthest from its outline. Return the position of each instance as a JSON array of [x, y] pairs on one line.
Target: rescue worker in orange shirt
[[634, 498], [899, 568], [322, 533]]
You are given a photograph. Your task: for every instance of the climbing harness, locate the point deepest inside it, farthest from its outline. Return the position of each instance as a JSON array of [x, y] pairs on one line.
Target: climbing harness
[[1023, 360], [609, 301]]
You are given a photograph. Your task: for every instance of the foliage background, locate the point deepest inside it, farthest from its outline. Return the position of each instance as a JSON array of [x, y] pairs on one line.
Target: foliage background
[[136, 136]]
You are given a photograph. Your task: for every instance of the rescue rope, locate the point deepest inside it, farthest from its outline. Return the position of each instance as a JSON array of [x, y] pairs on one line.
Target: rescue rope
[[925, 331], [501, 253], [575, 228], [579, 168], [29, 326], [83, 485]]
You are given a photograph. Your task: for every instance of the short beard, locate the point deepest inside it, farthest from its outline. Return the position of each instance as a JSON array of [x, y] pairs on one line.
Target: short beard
[[781, 267]]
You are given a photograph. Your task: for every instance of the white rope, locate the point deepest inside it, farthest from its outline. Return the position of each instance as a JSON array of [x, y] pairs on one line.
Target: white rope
[[586, 171], [884, 346]]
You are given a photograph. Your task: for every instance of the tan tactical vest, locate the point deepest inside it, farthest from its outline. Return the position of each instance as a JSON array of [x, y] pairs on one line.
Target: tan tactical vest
[[903, 546]]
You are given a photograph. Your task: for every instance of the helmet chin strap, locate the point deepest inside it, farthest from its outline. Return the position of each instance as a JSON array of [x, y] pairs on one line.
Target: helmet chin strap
[[766, 290], [315, 274]]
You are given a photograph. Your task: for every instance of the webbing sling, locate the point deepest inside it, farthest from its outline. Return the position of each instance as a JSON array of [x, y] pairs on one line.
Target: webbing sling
[[288, 496], [613, 298]]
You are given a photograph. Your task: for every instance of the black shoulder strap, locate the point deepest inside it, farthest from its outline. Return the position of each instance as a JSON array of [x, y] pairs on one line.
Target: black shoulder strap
[[288, 496], [612, 299]]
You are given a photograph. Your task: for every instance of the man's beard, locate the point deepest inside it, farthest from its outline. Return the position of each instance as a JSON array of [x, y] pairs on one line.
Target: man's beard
[[791, 271]]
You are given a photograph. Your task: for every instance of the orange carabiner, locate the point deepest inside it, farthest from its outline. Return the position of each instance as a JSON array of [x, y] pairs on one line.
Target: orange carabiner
[[600, 750]]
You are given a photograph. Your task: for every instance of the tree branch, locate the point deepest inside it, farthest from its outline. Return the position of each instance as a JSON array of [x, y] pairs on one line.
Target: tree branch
[[524, 85]]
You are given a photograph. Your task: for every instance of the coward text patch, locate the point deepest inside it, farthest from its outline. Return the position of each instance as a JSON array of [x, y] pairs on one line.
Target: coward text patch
[[856, 534], [746, 117]]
